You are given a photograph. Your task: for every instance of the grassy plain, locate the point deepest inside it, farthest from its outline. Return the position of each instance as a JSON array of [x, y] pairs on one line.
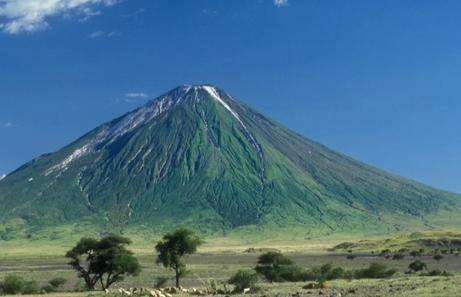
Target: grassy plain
[[219, 258]]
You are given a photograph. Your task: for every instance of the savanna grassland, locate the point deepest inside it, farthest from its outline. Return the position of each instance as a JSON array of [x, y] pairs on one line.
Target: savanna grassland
[[218, 259]]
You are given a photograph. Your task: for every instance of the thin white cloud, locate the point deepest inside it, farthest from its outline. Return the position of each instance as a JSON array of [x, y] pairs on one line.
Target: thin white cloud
[[20, 16], [210, 12], [280, 3], [6, 125], [135, 13], [133, 98], [136, 95], [103, 34]]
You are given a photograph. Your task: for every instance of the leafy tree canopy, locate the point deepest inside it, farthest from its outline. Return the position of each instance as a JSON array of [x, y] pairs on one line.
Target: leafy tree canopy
[[173, 247], [105, 261]]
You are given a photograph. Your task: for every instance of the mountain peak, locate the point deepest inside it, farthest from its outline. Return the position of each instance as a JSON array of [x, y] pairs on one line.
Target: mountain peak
[[129, 122], [195, 92], [196, 156]]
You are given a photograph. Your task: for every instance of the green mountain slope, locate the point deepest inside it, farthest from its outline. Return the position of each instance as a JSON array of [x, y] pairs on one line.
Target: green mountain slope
[[197, 157]]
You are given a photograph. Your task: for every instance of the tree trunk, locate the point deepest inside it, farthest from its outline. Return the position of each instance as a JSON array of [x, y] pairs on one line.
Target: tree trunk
[[177, 277]]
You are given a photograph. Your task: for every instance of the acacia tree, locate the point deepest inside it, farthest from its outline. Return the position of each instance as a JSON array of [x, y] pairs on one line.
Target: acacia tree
[[174, 247], [81, 256], [105, 261], [272, 265]]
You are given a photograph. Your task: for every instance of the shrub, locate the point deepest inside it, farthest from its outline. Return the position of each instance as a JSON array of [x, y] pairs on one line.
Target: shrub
[[417, 266], [48, 288], [398, 256], [437, 257], [375, 270], [291, 273], [30, 287], [13, 284], [336, 273], [57, 282], [160, 281], [244, 279], [327, 272], [415, 254]]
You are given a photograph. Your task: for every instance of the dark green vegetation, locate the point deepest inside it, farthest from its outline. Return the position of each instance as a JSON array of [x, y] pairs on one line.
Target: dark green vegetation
[[417, 266], [244, 279], [14, 284], [174, 247], [199, 158], [276, 267], [103, 261]]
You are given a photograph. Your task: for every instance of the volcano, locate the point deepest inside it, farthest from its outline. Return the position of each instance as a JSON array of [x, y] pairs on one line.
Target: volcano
[[197, 157]]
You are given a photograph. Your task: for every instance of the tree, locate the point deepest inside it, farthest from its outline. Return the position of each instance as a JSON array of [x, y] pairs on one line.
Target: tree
[[174, 247], [81, 256], [276, 267], [417, 266], [105, 261]]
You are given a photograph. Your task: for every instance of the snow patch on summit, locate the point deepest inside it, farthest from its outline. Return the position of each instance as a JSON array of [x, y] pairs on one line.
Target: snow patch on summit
[[214, 94]]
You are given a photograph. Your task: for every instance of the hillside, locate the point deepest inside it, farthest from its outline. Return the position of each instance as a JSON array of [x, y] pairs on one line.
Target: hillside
[[197, 157]]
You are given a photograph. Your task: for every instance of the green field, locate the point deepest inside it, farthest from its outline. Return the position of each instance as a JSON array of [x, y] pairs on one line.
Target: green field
[[220, 258]]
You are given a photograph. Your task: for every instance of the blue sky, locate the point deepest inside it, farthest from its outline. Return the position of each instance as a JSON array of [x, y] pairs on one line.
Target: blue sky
[[377, 80]]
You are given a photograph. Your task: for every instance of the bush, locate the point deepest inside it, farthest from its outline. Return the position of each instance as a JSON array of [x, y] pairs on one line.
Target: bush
[[398, 256], [291, 273], [244, 279], [375, 270], [160, 281], [385, 252], [30, 287], [48, 289], [417, 266], [13, 284], [327, 272], [336, 273], [438, 257], [57, 282]]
